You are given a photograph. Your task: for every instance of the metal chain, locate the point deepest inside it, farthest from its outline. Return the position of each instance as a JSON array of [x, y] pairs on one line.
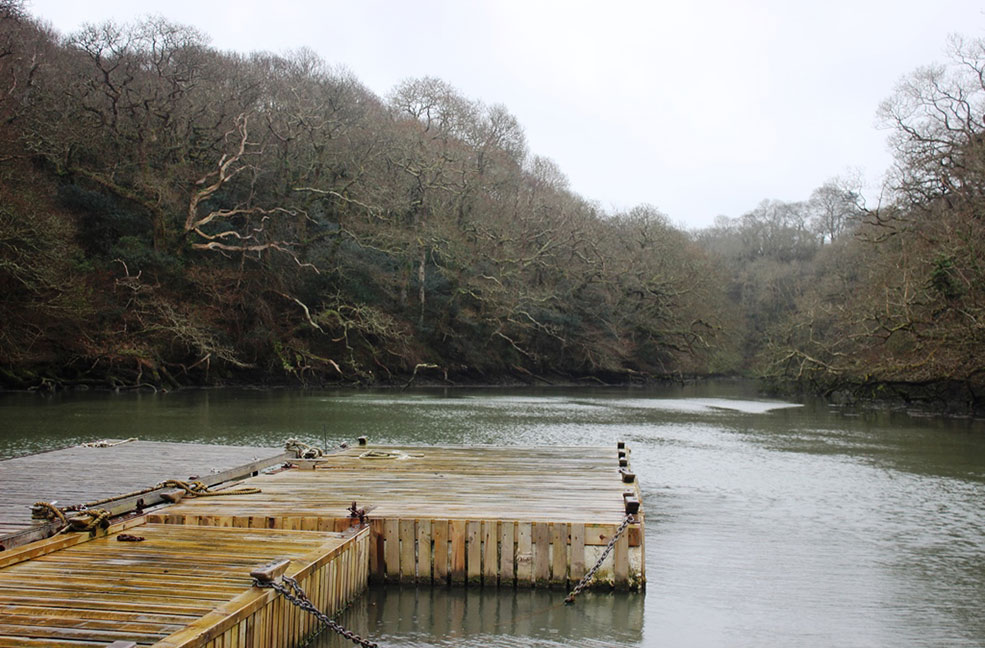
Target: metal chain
[[608, 548], [300, 599]]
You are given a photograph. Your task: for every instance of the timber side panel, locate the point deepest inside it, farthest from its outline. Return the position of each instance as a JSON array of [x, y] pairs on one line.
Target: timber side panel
[[507, 555], [424, 541], [439, 529], [473, 553], [490, 553], [559, 554], [181, 587], [458, 555]]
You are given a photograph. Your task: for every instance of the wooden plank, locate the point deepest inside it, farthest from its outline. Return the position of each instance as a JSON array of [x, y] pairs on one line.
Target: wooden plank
[[559, 554], [541, 550], [439, 529], [490, 553], [391, 552], [473, 560], [577, 561], [524, 554], [377, 560], [458, 540], [408, 553], [620, 567], [507, 552], [424, 562]]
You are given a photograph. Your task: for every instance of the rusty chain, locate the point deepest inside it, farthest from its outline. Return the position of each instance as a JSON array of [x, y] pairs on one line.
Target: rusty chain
[[630, 519], [301, 600]]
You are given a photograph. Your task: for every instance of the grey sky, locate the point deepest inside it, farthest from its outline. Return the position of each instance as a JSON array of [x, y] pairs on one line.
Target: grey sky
[[698, 108]]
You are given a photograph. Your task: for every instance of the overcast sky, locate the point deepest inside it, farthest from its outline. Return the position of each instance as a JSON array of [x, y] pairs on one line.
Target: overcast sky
[[699, 108]]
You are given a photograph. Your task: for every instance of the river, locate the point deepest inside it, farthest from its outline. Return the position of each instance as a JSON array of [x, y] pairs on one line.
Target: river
[[768, 523]]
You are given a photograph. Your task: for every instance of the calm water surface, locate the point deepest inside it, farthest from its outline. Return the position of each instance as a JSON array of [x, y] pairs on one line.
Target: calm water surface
[[768, 524]]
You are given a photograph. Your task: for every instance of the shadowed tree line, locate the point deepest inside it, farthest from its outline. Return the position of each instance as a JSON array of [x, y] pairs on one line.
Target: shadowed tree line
[[174, 215]]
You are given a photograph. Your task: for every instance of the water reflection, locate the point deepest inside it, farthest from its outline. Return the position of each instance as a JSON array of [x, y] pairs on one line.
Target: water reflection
[[408, 616]]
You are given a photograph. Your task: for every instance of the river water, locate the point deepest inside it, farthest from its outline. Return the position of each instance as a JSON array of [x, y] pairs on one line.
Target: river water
[[768, 523]]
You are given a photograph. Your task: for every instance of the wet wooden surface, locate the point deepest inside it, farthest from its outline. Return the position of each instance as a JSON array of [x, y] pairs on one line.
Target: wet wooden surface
[[80, 474], [181, 586], [543, 484]]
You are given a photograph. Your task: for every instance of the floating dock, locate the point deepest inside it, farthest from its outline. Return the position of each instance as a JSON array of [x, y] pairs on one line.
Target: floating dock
[[108, 469], [495, 516], [177, 575]]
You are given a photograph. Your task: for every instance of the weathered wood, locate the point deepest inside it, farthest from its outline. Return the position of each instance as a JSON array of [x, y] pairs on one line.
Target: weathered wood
[[408, 553], [620, 569], [458, 556], [577, 549], [541, 546], [181, 587], [559, 554], [391, 528], [377, 558], [473, 559], [524, 554], [490, 555], [507, 552], [439, 529], [424, 562], [66, 475]]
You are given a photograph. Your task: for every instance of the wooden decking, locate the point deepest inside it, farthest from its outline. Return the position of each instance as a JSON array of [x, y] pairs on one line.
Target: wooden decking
[[491, 515], [181, 587], [83, 474]]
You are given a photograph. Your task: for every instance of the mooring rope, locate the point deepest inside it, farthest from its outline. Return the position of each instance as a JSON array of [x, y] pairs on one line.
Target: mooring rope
[[85, 520], [89, 517], [199, 489], [303, 450]]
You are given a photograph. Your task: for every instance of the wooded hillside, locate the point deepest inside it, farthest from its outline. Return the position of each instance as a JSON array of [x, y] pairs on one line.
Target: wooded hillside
[[176, 215], [173, 215]]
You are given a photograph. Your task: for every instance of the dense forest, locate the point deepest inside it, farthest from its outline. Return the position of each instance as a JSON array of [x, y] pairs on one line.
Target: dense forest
[[172, 215]]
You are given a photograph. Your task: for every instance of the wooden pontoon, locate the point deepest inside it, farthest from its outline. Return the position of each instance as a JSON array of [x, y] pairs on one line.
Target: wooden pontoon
[[489, 516], [513, 516]]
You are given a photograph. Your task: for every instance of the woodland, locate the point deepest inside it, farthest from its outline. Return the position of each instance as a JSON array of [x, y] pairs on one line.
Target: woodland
[[173, 216]]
